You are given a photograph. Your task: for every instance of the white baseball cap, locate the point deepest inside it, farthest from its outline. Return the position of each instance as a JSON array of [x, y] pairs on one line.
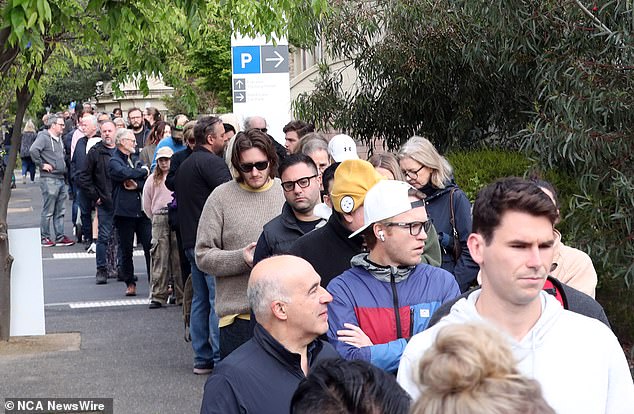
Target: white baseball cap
[[387, 198], [342, 147]]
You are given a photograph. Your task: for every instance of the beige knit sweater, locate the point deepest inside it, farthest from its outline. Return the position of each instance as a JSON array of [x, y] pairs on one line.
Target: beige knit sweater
[[231, 219]]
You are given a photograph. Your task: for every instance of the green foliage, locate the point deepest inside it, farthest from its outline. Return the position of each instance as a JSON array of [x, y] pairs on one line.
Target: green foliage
[[475, 169], [551, 78]]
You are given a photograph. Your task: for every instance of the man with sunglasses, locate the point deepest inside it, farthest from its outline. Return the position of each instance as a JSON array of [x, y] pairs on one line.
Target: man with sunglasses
[[230, 225], [388, 295], [301, 183]]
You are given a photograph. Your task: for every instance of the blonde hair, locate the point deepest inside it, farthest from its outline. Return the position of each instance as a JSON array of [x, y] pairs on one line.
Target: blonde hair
[[471, 369], [387, 161], [29, 126], [423, 152]]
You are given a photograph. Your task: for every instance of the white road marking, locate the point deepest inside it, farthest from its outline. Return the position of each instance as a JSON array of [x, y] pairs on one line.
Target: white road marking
[[84, 255], [101, 303]]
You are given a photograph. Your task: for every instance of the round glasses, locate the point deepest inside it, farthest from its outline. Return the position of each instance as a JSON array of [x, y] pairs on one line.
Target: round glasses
[[415, 227], [302, 183], [412, 175]]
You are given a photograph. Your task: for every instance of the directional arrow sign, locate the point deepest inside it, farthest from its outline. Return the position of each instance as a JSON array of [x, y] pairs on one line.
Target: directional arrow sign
[[239, 84], [274, 58], [239, 97]]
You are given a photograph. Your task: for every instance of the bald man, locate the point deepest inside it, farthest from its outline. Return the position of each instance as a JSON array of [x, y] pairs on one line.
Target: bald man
[[291, 308]]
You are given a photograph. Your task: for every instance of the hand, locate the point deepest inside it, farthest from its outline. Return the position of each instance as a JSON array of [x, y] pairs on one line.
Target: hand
[[147, 170], [47, 167], [247, 253], [130, 184], [353, 336], [98, 202]]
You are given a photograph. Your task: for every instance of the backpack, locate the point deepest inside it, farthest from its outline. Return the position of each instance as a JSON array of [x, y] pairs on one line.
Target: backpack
[[188, 294]]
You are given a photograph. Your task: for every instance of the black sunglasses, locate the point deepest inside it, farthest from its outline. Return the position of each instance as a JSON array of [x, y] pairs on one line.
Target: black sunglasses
[[260, 166], [262, 129]]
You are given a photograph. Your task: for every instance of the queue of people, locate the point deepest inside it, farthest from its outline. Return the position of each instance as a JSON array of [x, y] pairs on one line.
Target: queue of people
[[303, 254]]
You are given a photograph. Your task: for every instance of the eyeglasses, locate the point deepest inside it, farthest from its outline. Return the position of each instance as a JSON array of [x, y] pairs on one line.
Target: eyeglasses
[[260, 166], [412, 174], [415, 227], [302, 183], [62, 124], [262, 129]]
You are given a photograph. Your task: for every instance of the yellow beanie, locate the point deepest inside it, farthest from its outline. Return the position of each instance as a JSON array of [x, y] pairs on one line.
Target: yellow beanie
[[353, 179]]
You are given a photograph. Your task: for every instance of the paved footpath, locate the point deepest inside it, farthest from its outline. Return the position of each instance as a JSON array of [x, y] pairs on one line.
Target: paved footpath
[[127, 352]]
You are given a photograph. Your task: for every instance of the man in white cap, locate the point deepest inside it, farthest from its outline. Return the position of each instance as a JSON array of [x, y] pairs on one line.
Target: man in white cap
[[388, 295], [342, 147]]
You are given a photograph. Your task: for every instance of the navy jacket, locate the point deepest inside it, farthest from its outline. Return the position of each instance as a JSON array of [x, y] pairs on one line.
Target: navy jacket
[[278, 235], [127, 203], [78, 162], [464, 269], [328, 249], [260, 377], [94, 179], [196, 178]]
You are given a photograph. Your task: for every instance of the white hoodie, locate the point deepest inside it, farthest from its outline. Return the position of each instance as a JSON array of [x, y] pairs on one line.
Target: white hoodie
[[577, 360]]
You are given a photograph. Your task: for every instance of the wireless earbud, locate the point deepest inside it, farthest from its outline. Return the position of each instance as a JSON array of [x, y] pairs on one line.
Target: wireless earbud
[[381, 235]]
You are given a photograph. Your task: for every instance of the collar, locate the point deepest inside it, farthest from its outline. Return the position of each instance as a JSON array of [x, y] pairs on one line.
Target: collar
[[380, 272], [262, 189], [290, 360], [334, 222]]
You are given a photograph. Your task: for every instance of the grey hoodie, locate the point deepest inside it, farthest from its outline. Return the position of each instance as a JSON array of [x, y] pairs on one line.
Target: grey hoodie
[[47, 150]]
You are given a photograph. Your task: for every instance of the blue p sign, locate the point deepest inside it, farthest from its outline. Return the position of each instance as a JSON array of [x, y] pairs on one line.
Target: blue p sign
[[246, 59]]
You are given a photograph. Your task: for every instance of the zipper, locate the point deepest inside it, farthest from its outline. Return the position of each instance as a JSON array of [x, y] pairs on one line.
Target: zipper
[[397, 315], [411, 322]]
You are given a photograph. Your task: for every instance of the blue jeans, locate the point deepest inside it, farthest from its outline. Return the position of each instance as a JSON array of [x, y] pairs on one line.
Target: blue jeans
[[53, 198], [105, 216], [203, 320], [28, 166]]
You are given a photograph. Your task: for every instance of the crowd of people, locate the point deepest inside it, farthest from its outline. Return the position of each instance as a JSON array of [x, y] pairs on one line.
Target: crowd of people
[[325, 283]]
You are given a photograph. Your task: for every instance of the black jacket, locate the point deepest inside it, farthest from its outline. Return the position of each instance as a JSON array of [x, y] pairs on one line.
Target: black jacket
[[176, 161], [464, 269], [78, 162], [328, 249], [260, 377], [571, 299], [94, 180], [196, 178], [278, 235], [127, 203]]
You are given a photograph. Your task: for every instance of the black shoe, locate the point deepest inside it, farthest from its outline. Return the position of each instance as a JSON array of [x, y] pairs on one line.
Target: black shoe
[[102, 276], [155, 305]]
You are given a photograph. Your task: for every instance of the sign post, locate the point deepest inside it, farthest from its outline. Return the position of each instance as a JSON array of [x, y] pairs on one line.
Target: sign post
[[261, 82]]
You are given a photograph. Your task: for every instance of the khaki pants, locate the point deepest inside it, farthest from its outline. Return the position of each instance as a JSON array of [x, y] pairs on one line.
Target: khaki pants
[[165, 262]]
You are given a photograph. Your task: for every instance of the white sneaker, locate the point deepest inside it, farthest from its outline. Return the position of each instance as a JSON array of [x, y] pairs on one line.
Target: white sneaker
[[92, 248]]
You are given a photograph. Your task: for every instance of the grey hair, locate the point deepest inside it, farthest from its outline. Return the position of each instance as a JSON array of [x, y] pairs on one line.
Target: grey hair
[[247, 121], [91, 119], [423, 151], [264, 291], [51, 119], [121, 134], [313, 144]]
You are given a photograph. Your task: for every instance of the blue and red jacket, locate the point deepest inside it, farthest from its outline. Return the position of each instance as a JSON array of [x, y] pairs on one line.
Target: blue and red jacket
[[377, 307]]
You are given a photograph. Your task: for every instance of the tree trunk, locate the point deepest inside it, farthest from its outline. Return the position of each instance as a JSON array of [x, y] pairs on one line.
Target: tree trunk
[[23, 98]]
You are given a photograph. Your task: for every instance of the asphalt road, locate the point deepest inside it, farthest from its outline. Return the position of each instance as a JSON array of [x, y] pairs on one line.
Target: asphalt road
[[128, 352]]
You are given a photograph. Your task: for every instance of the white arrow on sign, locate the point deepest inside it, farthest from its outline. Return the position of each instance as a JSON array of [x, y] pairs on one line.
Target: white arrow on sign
[[279, 59], [239, 97], [239, 83]]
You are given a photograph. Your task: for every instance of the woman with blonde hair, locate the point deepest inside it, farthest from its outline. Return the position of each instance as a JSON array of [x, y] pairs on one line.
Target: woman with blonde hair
[[386, 164], [447, 205], [28, 137], [471, 369]]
